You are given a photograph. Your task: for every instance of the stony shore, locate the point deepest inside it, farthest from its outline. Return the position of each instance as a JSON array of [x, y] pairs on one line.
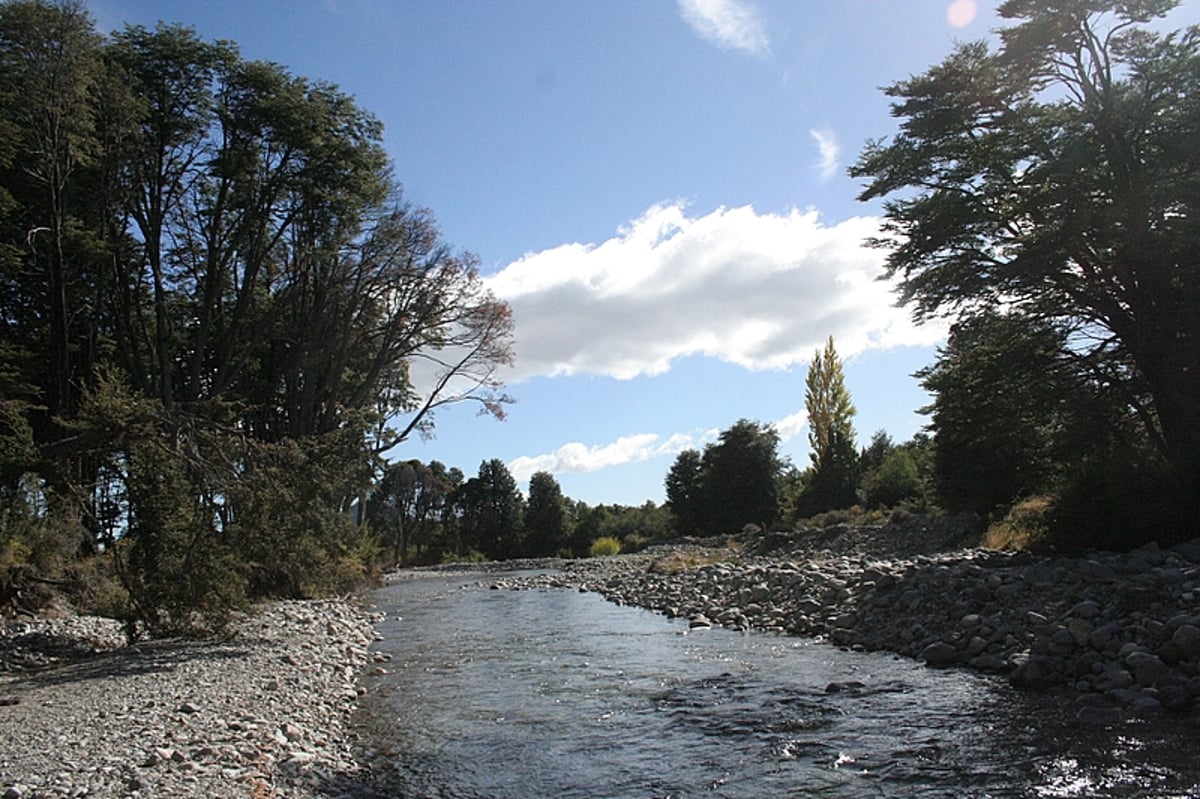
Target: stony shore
[[264, 713], [1120, 633]]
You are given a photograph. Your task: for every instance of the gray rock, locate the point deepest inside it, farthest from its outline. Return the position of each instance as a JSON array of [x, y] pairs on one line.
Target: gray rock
[[1037, 671], [1146, 669], [1187, 639], [939, 653]]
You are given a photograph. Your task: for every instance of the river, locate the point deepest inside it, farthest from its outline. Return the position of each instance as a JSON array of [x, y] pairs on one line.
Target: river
[[556, 693]]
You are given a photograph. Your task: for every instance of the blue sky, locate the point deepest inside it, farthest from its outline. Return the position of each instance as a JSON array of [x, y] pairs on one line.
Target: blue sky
[[658, 188]]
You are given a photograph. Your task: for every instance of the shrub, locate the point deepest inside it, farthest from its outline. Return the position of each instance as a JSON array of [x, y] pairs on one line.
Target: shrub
[[1121, 500], [897, 479], [1023, 527], [605, 546], [634, 542]]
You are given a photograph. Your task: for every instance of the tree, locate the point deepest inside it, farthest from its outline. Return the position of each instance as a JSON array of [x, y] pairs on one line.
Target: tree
[[683, 492], [49, 73], [739, 477], [1004, 392], [895, 480], [832, 481], [491, 508], [827, 403], [545, 516], [211, 257], [405, 504], [1056, 175]]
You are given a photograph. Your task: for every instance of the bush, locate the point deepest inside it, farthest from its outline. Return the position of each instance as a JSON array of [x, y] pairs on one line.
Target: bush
[[634, 542], [1118, 501], [897, 479], [605, 546], [1025, 526]]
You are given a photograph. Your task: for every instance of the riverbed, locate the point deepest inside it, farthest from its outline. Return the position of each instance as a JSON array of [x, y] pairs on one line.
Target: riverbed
[[556, 692]]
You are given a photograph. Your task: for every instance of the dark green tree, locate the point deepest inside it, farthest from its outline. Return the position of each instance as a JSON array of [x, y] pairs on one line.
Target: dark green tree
[[491, 511], [211, 257], [50, 74], [896, 479], [545, 517], [739, 479], [683, 492], [406, 503], [1004, 396], [1056, 174]]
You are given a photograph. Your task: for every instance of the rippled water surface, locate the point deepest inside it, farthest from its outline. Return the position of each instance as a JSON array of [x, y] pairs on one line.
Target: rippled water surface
[[562, 694]]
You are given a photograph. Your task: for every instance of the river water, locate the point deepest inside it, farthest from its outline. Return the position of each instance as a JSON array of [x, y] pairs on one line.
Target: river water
[[556, 693]]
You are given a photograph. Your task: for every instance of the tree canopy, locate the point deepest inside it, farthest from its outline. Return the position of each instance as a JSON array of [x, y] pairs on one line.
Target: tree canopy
[[1056, 174], [208, 271], [735, 482]]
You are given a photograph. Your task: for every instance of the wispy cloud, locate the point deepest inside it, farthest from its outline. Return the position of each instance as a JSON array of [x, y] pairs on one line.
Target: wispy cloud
[[791, 426], [729, 24], [827, 145], [578, 457], [760, 290]]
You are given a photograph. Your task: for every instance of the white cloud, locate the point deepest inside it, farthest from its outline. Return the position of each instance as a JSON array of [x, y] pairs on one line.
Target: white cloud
[[578, 457], [791, 426], [827, 144], [759, 290], [729, 24]]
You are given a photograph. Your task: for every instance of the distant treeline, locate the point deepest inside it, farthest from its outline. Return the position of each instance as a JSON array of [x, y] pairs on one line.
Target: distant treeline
[[426, 513]]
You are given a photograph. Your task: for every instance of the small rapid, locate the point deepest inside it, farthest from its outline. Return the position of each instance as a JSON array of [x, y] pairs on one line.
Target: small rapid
[[557, 693]]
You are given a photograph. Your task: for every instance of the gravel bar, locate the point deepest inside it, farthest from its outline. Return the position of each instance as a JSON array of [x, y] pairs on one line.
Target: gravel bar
[[264, 713]]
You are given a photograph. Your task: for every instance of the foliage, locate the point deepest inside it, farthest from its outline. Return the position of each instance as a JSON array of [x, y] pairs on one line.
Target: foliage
[[648, 522], [833, 478], [827, 404], [1054, 176], [1119, 499], [897, 480], [218, 309], [739, 478], [683, 492], [405, 506], [491, 511], [1005, 399], [545, 516], [604, 547], [1025, 526]]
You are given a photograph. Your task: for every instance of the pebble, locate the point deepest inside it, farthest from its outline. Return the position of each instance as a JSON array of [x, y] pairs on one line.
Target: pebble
[[230, 717]]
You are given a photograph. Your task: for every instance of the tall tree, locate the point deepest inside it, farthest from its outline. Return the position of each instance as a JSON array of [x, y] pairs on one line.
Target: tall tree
[[739, 478], [683, 492], [545, 516], [50, 73], [827, 403], [832, 481], [491, 507], [1057, 174]]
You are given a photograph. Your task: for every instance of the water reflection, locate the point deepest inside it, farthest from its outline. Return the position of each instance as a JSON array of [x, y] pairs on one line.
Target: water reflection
[[557, 693]]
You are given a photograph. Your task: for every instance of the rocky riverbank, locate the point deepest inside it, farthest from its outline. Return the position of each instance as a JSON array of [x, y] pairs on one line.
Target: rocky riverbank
[[263, 713], [1118, 632]]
